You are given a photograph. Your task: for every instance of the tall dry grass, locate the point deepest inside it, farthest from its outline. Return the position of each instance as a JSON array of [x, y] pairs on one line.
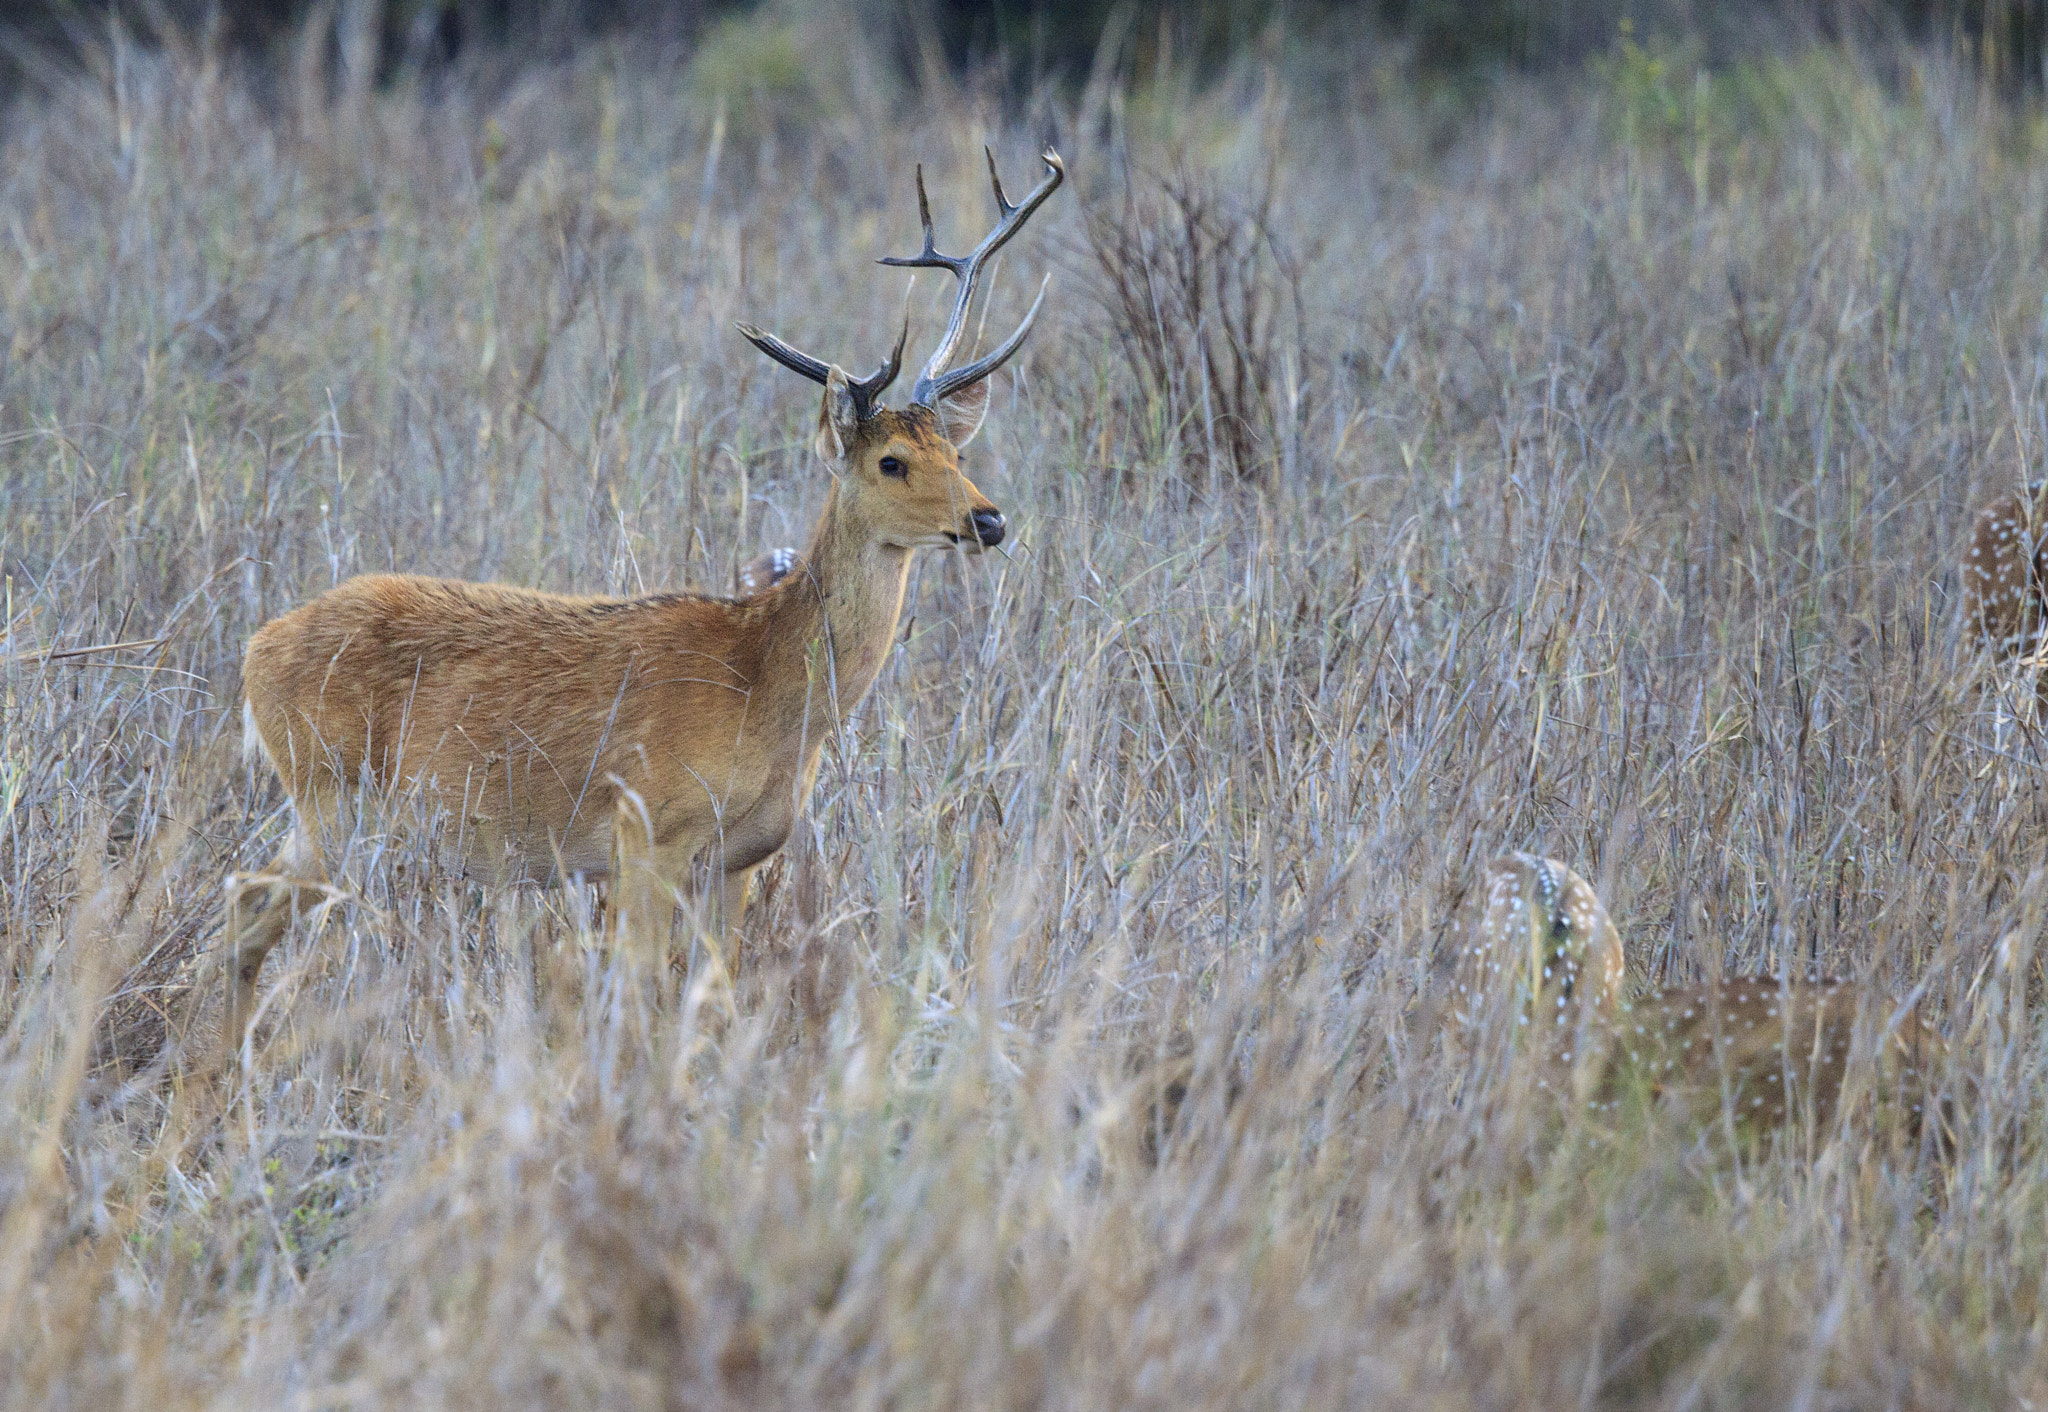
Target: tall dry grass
[[1085, 1050]]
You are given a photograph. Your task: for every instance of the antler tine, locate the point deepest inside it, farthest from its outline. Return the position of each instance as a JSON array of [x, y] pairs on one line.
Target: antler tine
[[997, 182], [870, 388], [946, 384], [933, 383], [866, 391], [794, 359], [929, 257]]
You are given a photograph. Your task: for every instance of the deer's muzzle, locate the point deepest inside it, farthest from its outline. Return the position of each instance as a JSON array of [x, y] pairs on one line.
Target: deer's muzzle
[[987, 528]]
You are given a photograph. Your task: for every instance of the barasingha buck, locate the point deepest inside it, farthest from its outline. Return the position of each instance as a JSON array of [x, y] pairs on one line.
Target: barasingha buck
[[1546, 955], [572, 736]]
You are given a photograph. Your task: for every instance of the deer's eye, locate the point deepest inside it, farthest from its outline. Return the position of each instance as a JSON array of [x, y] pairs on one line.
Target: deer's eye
[[892, 466]]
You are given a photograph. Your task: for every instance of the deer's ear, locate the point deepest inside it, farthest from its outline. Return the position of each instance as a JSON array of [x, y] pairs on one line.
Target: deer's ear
[[838, 420], [960, 415]]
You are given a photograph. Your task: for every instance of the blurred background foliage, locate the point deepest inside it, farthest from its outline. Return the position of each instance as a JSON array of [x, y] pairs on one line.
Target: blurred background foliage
[[1459, 46]]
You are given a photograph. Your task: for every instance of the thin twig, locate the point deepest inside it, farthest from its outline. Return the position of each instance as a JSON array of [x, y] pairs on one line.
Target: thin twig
[[134, 644]]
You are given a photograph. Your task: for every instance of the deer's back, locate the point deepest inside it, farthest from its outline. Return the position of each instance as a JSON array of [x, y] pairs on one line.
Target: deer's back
[[1778, 1048]]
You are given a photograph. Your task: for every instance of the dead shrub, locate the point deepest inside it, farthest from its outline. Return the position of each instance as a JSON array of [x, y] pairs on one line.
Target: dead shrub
[[1205, 297]]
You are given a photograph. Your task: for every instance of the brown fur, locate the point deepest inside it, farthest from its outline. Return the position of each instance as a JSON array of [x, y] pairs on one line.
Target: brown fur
[[1540, 919], [587, 735], [1779, 1049], [2005, 570]]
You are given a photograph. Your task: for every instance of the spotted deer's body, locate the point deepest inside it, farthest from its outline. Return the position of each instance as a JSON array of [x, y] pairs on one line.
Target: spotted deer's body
[[1781, 1047], [1770, 1049], [645, 736], [2005, 571]]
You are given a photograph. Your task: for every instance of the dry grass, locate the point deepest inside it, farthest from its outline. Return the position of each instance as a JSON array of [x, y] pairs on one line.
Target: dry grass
[[1612, 513]]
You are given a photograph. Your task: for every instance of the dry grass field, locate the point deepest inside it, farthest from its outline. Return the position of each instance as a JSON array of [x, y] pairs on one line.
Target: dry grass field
[[1389, 487]]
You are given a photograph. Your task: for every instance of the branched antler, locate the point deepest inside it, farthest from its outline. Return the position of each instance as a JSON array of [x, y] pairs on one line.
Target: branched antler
[[935, 384], [866, 391]]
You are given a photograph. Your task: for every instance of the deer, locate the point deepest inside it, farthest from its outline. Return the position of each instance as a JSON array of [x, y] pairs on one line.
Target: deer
[[1770, 1047], [599, 738], [2005, 573], [764, 571], [1543, 938]]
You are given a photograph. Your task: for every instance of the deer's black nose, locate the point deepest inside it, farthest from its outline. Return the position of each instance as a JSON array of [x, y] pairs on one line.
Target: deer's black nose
[[988, 527]]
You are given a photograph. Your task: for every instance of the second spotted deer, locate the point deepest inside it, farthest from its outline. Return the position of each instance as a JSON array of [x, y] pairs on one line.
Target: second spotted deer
[[2005, 570]]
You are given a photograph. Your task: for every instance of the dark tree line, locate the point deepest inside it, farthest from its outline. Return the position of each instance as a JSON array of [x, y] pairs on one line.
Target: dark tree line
[[1034, 40]]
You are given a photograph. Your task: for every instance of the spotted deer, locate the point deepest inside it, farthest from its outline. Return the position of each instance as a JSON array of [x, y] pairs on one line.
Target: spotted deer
[[1545, 945], [2005, 571], [596, 736], [764, 571], [1770, 1048]]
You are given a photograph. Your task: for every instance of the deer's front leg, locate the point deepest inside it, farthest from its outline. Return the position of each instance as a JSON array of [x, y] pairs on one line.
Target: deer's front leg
[[748, 842], [732, 908]]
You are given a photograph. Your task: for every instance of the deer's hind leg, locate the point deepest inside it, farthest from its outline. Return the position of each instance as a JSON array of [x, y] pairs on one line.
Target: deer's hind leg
[[260, 906]]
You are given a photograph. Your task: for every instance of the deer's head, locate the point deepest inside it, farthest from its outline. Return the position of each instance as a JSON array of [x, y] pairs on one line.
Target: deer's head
[[898, 470]]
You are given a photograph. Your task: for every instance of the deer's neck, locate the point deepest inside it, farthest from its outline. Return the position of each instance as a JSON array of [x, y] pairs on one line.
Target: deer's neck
[[847, 598]]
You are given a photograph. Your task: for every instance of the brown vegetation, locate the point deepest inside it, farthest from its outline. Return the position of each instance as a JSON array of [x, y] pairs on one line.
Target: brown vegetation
[[1089, 1051]]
